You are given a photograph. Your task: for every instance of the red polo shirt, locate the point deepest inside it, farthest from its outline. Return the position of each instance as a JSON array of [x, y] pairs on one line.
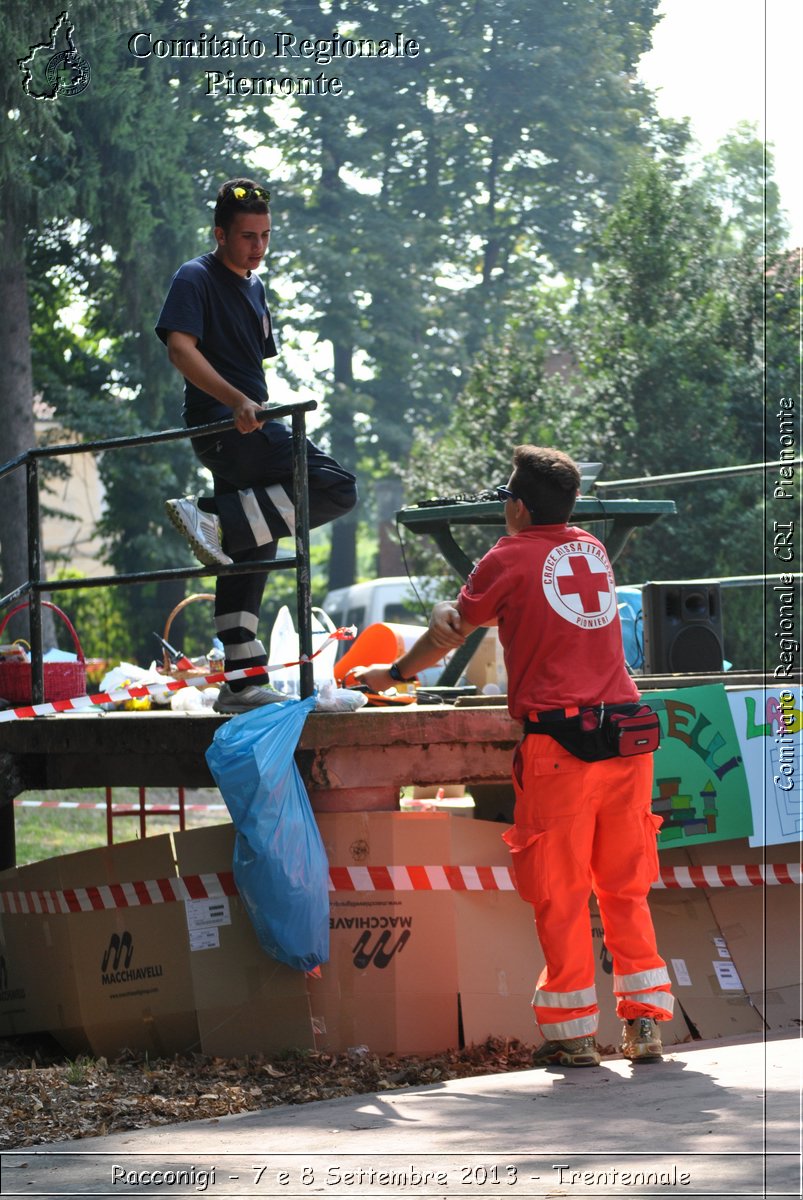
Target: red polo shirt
[[551, 590]]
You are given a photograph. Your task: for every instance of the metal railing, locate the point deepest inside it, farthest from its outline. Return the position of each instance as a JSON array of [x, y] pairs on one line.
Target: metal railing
[[704, 476], [35, 585]]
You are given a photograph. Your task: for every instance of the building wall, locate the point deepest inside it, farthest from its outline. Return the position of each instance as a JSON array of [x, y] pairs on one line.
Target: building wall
[[69, 540]]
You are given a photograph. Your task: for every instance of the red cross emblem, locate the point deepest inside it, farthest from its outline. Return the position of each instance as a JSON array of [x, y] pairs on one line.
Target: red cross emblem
[[581, 581], [578, 584]]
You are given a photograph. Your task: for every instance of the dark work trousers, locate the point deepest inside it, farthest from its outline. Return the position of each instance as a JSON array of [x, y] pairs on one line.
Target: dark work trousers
[[253, 475]]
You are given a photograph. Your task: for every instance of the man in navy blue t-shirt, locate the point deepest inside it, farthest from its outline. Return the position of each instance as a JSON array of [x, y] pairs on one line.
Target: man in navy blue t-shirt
[[217, 329]]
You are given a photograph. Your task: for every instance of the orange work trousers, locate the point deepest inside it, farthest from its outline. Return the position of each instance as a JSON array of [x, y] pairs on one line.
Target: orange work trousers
[[583, 827]]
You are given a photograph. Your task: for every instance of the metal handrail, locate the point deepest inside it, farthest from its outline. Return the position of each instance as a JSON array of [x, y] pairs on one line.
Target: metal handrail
[[645, 481], [35, 585]]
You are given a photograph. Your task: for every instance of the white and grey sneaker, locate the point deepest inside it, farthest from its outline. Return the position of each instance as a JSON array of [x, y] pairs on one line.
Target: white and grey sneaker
[[202, 530], [247, 700]]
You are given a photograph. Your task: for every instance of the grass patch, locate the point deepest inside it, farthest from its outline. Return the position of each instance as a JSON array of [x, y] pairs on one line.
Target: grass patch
[[44, 832]]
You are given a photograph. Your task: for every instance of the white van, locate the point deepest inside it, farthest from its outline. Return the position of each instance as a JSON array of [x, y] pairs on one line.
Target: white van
[[397, 599]]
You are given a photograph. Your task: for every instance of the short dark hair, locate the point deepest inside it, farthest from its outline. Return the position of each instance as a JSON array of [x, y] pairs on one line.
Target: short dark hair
[[547, 481], [228, 204]]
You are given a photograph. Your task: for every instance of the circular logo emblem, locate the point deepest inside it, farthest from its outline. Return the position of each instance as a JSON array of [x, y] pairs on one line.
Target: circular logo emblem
[[359, 850], [69, 72], [578, 583]]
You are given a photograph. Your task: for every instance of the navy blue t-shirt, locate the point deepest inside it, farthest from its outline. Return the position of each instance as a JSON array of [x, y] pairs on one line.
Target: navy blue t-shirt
[[228, 314]]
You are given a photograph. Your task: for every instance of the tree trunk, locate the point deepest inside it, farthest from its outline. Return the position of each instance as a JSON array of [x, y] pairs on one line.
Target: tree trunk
[[16, 413], [343, 552], [389, 495]]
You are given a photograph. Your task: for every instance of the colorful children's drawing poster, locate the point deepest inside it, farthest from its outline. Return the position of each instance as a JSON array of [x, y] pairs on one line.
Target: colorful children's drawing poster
[[769, 726], [700, 786]]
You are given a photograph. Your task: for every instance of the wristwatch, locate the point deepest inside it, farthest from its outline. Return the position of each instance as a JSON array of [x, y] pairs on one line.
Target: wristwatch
[[396, 675]]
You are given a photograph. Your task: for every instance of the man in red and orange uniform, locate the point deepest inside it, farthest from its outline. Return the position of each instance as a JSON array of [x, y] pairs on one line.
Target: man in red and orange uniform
[[579, 825]]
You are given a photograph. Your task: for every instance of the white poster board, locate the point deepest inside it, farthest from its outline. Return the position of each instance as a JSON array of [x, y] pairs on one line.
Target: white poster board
[[769, 726]]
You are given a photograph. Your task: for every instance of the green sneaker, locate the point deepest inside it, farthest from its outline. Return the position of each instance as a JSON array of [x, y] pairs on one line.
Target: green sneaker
[[641, 1040], [573, 1052]]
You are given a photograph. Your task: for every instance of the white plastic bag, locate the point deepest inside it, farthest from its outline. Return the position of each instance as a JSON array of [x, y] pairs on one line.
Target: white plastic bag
[[284, 649]]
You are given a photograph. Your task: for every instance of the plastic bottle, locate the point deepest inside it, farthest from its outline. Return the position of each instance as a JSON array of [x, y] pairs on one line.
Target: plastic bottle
[[284, 649]]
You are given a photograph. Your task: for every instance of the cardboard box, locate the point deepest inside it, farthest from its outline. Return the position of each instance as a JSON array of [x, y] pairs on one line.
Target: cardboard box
[[391, 980], [131, 964], [497, 957], [14, 981], [738, 851], [780, 1007], [763, 929], [486, 667], [499, 961], [498, 954], [245, 1001], [704, 982], [36, 952], [411, 971]]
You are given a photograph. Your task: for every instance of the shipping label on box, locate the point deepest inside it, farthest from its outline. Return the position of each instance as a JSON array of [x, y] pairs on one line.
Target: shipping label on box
[[763, 928], [204, 918]]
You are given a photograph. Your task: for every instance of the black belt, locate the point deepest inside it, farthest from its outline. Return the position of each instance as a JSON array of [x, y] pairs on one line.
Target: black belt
[[587, 716], [554, 714]]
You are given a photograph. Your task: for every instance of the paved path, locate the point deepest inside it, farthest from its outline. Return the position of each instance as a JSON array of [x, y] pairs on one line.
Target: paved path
[[719, 1119]]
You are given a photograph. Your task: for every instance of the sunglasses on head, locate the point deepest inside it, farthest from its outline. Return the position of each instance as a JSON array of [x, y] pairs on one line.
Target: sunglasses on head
[[254, 193]]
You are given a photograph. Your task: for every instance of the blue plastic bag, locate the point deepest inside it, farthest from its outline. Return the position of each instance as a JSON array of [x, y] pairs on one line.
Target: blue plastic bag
[[632, 621], [280, 865]]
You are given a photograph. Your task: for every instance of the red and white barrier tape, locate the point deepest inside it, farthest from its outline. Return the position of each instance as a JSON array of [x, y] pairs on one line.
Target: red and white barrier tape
[[420, 879], [139, 894], [128, 806], [360, 879], [712, 876], [138, 692]]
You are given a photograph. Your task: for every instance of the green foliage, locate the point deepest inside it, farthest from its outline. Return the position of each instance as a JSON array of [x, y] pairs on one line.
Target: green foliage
[[130, 157], [98, 617], [78, 1069], [409, 216], [661, 371], [418, 220], [47, 832]]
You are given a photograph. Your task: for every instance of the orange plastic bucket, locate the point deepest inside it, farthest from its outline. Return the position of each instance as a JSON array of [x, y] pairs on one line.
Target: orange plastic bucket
[[379, 643]]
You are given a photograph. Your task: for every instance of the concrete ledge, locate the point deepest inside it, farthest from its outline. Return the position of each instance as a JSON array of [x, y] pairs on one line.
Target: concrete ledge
[[349, 761]]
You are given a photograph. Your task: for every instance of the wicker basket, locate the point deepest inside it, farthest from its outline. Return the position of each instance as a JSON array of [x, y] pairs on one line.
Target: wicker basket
[[169, 667], [62, 680]]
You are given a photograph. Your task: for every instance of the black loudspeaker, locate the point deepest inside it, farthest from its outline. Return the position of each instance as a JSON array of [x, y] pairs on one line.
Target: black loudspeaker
[[682, 628]]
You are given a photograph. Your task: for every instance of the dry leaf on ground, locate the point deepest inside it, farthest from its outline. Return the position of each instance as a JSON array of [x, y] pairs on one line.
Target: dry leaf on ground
[[45, 1097]]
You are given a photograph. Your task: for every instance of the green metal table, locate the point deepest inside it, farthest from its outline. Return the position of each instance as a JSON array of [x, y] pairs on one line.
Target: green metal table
[[439, 521], [622, 517]]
